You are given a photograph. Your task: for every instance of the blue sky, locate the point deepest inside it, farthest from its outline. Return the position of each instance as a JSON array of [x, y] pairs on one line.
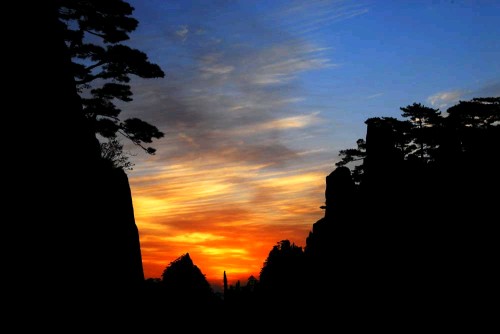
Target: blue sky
[[337, 61], [270, 91]]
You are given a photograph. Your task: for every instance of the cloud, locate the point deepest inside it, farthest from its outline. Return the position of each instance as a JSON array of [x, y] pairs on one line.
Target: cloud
[[446, 99], [307, 17], [231, 101], [286, 123], [282, 63], [234, 173], [195, 237], [491, 89], [224, 216], [443, 100], [183, 32], [218, 69], [369, 97]]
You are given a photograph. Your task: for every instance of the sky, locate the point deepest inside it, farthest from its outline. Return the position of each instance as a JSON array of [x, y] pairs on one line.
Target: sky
[[259, 97]]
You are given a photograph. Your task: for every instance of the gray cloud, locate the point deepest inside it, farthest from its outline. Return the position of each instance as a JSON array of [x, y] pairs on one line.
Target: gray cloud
[[307, 17], [491, 89], [217, 83], [444, 100]]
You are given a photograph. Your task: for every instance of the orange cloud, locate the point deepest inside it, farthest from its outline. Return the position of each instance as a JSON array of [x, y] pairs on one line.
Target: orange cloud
[[228, 219], [286, 123]]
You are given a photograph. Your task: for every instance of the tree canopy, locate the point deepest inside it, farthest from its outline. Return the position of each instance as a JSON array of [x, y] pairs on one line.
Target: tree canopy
[[283, 266], [423, 120], [182, 278], [476, 113], [425, 132], [103, 66], [355, 155]]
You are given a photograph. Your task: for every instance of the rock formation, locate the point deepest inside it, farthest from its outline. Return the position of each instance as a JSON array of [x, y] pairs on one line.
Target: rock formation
[[74, 229], [411, 235]]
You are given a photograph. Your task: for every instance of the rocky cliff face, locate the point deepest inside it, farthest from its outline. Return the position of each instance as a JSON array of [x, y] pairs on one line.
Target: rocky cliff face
[[118, 253], [74, 232], [410, 236]]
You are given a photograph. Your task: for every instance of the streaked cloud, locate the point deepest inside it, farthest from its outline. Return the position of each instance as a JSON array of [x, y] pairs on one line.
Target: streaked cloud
[[306, 17], [218, 69], [182, 33], [369, 97], [216, 96], [214, 251], [286, 123], [195, 237], [235, 226], [443, 100], [233, 174], [490, 89], [284, 62]]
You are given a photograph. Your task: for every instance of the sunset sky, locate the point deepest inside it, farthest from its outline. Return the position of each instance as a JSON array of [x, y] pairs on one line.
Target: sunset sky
[[259, 97]]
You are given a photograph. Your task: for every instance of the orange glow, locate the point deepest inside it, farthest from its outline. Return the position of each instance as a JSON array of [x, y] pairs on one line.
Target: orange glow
[[226, 218], [293, 122]]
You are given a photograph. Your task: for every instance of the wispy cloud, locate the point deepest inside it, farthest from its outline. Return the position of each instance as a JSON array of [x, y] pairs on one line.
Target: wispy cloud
[[218, 69], [306, 17], [490, 89], [226, 181], [223, 215], [183, 32], [443, 100], [217, 95], [374, 96], [446, 99], [286, 123], [195, 237], [283, 62]]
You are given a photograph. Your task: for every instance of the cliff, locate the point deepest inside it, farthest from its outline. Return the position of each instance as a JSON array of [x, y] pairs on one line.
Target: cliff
[[411, 236], [72, 231]]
